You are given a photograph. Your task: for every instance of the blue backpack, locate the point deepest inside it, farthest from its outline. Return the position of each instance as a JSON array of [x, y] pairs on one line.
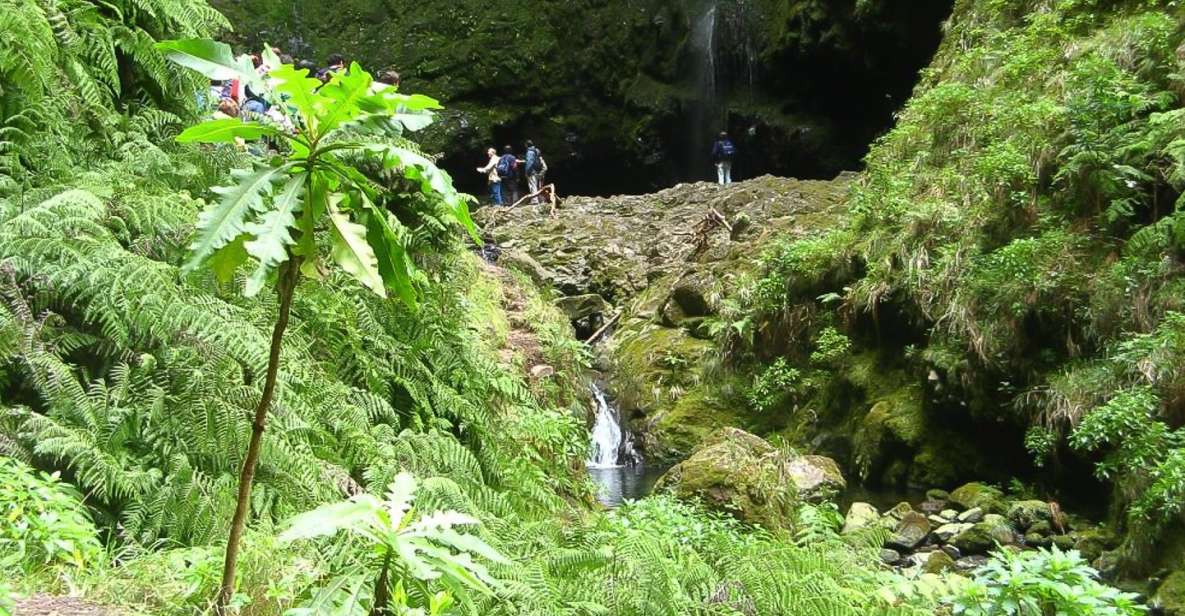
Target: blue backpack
[[727, 149], [505, 166]]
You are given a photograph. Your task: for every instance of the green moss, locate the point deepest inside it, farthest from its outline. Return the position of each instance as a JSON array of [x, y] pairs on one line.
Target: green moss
[[696, 415], [983, 496], [737, 473], [1171, 594]]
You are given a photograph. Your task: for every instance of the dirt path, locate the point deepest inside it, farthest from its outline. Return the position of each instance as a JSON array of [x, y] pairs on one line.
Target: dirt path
[[49, 605]]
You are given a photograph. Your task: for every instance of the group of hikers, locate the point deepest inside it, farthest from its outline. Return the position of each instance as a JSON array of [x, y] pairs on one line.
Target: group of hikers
[[505, 173], [233, 98]]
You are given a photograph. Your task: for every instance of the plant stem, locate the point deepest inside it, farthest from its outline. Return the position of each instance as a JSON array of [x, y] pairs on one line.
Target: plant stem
[[289, 275]]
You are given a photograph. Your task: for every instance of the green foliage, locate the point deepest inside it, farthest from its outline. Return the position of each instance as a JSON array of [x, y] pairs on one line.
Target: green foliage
[[774, 385], [42, 524], [417, 549], [1043, 582]]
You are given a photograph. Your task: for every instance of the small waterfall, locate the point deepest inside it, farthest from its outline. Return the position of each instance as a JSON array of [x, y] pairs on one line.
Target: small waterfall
[[611, 447], [705, 118]]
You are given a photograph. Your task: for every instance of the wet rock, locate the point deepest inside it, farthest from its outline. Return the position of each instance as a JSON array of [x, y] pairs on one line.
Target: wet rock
[[1170, 596], [947, 532], [1025, 513], [860, 515], [952, 551], [980, 495], [968, 564], [817, 478], [910, 533], [983, 537], [970, 516], [890, 557], [931, 507], [900, 510], [737, 473], [949, 514], [938, 562], [937, 495], [542, 371], [1093, 542], [937, 520], [577, 307], [527, 264], [1037, 540]]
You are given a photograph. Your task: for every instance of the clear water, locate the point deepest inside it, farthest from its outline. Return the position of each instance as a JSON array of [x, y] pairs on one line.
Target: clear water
[[607, 440], [617, 485]]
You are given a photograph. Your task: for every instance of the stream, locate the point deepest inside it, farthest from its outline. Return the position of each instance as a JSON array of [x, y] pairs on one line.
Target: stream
[[614, 465]]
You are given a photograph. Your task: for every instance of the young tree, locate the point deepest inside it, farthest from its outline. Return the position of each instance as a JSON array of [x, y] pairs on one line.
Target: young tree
[[278, 215]]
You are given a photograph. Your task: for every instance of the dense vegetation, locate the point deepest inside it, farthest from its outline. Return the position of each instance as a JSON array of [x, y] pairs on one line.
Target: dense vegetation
[[1014, 253], [412, 464]]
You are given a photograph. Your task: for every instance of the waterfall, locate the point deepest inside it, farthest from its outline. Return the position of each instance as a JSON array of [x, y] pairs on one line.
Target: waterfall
[[705, 111], [611, 447]]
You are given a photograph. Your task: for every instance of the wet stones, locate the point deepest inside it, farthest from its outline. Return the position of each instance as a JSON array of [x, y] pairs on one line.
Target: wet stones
[[911, 531]]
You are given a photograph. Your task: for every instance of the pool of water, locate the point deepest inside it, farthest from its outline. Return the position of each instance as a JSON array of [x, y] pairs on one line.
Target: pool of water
[[617, 485]]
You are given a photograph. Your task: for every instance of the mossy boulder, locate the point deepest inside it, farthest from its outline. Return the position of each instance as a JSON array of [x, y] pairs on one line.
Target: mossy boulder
[[673, 433], [1024, 514], [1092, 543], [817, 478], [860, 516], [983, 537], [1170, 596], [911, 531], [737, 473], [983, 496], [938, 562]]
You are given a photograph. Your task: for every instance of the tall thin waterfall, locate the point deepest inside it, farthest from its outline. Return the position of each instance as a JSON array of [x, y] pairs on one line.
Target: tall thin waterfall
[[611, 446], [705, 117]]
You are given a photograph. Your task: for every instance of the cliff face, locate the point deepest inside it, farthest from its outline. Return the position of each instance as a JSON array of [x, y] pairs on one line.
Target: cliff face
[[624, 96]]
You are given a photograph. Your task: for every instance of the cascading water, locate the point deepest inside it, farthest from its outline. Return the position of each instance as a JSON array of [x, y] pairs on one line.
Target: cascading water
[[705, 117], [613, 462], [606, 434]]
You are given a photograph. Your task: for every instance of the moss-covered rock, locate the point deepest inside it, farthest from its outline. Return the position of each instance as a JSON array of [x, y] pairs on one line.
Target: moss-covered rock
[[817, 478], [737, 473], [938, 562], [1170, 596], [1024, 514], [985, 536], [983, 496]]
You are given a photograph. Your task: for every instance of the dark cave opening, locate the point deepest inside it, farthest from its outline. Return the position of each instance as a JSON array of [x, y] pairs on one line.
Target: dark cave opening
[[801, 97]]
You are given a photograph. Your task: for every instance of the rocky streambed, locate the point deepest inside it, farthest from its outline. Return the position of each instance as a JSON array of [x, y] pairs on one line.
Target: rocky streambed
[[956, 530]]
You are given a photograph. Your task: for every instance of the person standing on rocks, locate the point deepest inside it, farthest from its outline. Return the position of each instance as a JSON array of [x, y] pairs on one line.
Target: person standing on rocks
[[507, 169], [533, 167], [723, 151], [492, 176]]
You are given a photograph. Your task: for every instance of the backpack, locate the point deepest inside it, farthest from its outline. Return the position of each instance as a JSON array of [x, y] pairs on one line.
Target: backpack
[[505, 166], [727, 149], [536, 162]]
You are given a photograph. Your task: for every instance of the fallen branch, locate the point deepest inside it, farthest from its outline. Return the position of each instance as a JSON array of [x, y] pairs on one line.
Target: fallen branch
[[604, 328], [552, 197]]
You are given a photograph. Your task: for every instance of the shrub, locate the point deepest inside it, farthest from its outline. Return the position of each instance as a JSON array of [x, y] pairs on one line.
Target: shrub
[[42, 523]]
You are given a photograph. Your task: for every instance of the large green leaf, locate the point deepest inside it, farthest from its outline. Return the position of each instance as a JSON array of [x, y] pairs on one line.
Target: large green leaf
[[351, 250], [212, 59], [224, 221], [394, 264], [224, 130], [326, 520], [302, 92], [272, 235], [344, 91], [433, 180]]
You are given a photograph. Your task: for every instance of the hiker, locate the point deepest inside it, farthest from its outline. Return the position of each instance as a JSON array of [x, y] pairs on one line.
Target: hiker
[[390, 77], [492, 176], [508, 174], [723, 152], [335, 63], [542, 179], [532, 167]]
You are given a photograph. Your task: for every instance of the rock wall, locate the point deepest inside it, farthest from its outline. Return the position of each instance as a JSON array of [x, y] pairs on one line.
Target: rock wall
[[614, 92]]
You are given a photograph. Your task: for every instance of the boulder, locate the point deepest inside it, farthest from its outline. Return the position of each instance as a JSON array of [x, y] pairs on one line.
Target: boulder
[[577, 307], [860, 515], [1093, 542], [817, 478], [911, 531], [527, 264], [542, 371], [983, 537], [949, 514], [938, 562], [890, 557], [737, 473], [900, 510], [975, 494], [1025, 513], [952, 551], [970, 516], [1170, 596], [946, 532], [937, 520], [931, 507], [937, 495], [1037, 540], [968, 564]]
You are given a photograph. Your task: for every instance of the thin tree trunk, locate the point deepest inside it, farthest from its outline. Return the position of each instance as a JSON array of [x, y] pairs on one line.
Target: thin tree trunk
[[289, 274], [382, 589]]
